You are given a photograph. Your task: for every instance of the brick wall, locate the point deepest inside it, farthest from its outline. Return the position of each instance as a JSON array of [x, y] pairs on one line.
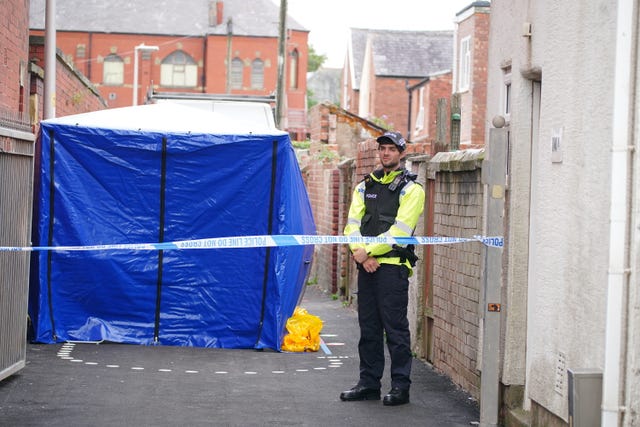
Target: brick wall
[[74, 93], [322, 187], [456, 281], [14, 43], [392, 102], [438, 87], [334, 137], [479, 78]]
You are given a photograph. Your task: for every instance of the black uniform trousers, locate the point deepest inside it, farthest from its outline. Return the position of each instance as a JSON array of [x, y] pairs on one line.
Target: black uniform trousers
[[382, 308]]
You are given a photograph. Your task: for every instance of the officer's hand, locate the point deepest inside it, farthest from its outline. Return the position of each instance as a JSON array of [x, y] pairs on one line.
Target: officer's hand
[[360, 255], [370, 265]]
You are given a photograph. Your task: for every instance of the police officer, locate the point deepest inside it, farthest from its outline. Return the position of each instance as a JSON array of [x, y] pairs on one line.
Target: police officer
[[388, 202]]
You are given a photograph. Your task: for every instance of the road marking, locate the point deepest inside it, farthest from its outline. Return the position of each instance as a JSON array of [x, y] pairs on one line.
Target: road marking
[[64, 353]]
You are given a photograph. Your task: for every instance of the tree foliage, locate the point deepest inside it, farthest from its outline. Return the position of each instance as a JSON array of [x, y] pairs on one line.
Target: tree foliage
[[315, 61]]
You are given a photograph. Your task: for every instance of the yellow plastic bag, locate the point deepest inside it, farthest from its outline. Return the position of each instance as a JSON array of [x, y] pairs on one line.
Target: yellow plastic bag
[[304, 332]]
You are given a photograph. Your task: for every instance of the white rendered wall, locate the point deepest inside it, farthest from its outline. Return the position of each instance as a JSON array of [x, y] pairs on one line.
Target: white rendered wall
[[559, 211]]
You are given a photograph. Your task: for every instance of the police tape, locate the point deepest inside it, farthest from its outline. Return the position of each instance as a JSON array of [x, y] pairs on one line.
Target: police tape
[[266, 241]]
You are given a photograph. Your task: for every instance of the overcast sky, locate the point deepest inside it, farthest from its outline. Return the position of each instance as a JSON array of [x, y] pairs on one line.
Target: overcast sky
[[329, 20]]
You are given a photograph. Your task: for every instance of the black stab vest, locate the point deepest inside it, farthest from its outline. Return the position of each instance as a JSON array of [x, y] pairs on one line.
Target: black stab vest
[[381, 202]]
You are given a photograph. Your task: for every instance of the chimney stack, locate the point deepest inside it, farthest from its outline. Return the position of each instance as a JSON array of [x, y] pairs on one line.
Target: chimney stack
[[216, 12]]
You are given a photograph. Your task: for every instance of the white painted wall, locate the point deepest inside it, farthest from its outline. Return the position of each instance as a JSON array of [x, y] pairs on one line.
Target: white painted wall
[[556, 269]]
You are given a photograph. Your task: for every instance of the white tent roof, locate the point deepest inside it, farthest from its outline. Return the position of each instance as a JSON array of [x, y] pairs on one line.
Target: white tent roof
[[168, 117]]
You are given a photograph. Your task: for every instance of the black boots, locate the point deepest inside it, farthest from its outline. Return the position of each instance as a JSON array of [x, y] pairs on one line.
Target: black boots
[[360, 393], [395, 397]]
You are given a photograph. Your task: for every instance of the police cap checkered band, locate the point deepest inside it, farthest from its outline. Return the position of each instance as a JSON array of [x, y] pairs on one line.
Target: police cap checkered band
[[394, 138]]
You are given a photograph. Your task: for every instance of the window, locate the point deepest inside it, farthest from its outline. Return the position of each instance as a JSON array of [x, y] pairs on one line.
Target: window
[[81, 51], [257, 74], [293, 69], [179, 70], [420, 116], [465, 64], [506, 95], [113, 70], [236, 73]]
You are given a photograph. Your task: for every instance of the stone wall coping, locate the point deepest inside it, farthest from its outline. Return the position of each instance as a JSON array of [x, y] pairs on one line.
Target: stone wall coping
[[455, 161]]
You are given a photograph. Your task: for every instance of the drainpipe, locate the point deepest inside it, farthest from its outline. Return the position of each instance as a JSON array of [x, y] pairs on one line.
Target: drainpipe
[[618, 274], [229, 38], [50, 62], [89, 54]]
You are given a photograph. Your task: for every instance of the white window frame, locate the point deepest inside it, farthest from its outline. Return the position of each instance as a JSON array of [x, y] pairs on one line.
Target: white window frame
[[257, 74], [237, 67], [174, 74], [113, 70], [420, 116], [465, 64]]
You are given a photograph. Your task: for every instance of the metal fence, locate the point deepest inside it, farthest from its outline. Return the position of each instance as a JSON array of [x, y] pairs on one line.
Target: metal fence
[[16, 201]]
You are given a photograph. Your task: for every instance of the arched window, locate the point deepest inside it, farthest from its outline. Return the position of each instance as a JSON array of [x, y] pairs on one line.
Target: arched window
[[257, 74], [113, 70], [236, 73], [293, 69], [179, 70]]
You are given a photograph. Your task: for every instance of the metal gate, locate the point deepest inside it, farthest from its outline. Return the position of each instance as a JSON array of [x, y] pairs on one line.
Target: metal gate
[[16, 200]]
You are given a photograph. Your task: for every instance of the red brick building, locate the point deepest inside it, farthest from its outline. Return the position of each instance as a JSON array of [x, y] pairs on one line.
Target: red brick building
[[220, 47], [382, 65], [430, 111], [74, 93], [470, 75]]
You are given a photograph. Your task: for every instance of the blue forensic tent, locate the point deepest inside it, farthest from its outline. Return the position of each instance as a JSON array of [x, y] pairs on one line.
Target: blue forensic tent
[[164, 173]]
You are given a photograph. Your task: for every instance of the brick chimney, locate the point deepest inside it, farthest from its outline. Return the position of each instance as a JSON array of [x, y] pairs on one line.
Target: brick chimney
[[216, 12]]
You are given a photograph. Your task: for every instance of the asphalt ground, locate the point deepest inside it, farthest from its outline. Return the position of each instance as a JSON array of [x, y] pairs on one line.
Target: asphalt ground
[[84, 384]]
